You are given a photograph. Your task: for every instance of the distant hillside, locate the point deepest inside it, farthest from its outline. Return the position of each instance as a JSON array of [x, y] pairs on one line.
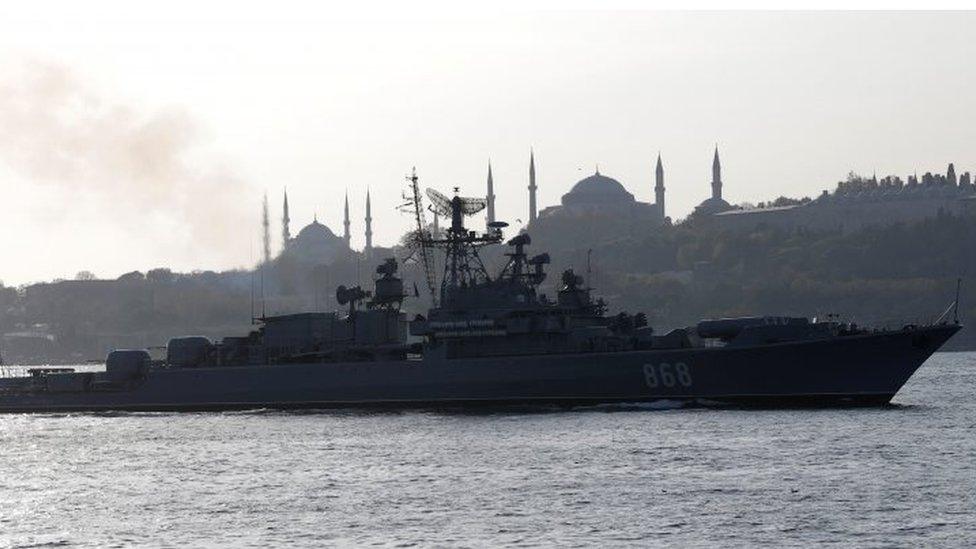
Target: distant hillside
[[676, 274]]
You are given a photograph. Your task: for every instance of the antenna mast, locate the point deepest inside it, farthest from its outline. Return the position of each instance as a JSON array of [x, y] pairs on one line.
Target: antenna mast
[[422, 238], [252, 281], [589, 271], [462, 266], [263, 313], [955, 305]]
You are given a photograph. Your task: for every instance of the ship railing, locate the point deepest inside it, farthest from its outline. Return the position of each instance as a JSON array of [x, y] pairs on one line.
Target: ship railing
[[890, 324], [949, 315], [894, 325]]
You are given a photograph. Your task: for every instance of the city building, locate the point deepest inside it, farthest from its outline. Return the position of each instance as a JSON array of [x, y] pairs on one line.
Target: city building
[[863, 202]]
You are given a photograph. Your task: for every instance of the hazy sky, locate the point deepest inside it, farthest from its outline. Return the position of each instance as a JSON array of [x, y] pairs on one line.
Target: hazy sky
[[130, 140]]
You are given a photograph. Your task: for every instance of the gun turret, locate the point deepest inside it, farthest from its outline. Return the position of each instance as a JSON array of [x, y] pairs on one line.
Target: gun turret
[[514, 269], [538, 275], [571, 280], [574, 295], [389, 288], [519, 241], [351, 296]]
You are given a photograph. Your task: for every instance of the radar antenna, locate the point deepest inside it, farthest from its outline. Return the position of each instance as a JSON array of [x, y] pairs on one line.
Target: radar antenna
[[455, 208], [440, 203], [462, 268], [352, 296]]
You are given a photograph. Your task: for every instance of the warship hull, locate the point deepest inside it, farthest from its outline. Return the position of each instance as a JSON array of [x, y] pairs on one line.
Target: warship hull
[[861, 370]]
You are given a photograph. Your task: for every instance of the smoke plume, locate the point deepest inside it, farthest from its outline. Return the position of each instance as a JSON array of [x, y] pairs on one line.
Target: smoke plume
[[135, 168]]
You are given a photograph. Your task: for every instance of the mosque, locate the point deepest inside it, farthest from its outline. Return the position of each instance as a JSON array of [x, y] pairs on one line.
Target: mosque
[[593, 196], [316, 243], [599, 195], [715, 204]]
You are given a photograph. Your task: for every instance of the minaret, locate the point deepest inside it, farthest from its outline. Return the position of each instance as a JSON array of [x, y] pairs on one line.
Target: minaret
[[265, 226], [716, 176], [491, 197], [532, 187], [437, 225], [659, 186], [345, 222], [369, 226], [951, 175], [285, 220]]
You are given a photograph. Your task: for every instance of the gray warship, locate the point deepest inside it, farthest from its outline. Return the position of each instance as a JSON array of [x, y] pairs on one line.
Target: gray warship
[[492, 340]]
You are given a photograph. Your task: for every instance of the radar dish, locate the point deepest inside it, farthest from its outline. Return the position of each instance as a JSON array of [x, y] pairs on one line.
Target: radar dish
[[441, 203], [470, 206], [445, 206]]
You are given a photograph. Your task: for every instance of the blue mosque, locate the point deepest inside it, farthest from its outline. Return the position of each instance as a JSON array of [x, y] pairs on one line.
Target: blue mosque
[[316, 243]]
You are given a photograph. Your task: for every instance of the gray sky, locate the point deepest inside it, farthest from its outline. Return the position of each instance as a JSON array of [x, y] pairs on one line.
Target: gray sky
[[130, 140]]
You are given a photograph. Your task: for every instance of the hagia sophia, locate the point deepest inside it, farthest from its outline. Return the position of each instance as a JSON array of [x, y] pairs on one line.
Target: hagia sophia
[[599, 194], [856, 203]]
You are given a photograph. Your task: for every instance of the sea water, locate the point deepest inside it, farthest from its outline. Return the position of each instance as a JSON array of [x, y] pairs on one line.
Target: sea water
[[903, 475]]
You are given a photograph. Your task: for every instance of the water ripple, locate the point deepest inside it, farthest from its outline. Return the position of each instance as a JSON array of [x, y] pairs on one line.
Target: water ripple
[[620, 475]]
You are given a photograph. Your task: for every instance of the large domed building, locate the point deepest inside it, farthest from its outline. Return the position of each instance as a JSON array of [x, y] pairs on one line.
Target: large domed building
[[597, 190], [599, 195], [316, 242]]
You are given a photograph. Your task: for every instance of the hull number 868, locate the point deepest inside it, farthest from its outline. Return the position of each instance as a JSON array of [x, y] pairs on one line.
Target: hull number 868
[[667, 375]]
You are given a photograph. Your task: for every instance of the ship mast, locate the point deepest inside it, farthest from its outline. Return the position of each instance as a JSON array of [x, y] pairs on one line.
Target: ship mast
[[422, 238], [463, 267]]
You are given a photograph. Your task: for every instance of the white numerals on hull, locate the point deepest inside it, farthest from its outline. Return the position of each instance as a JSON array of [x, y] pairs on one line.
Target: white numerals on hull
[[667, 375]]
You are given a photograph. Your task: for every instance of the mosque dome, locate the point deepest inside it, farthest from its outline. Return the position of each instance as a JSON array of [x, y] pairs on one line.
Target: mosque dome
[[713, 205], [597, 189], [315, 231], [316, 243]]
